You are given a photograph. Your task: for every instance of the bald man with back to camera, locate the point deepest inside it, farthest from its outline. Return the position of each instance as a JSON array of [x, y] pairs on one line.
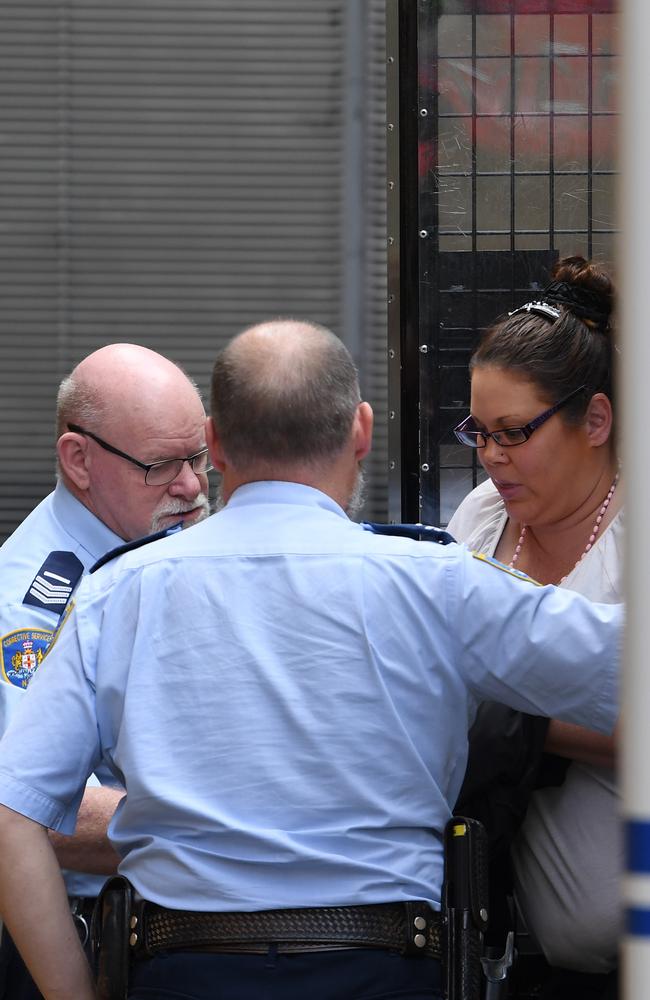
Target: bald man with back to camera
[[121, 399], [288, 696]]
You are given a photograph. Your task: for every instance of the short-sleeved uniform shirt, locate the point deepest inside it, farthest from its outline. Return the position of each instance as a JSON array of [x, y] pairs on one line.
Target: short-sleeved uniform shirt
[[40, 565], [287, 698]]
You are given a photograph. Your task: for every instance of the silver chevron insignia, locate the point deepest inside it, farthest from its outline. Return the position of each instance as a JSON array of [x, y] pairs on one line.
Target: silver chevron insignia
[[50, 593]]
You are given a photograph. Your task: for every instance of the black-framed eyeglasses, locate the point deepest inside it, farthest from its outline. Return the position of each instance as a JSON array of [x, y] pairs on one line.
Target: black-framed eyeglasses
[[158, 473], [468, 433]]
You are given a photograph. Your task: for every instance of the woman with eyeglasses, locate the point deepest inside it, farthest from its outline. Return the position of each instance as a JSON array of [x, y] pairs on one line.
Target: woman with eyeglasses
[[542, 419]]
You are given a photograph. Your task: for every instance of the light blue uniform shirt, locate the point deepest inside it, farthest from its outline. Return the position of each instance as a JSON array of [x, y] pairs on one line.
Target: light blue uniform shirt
[[288, 697], [35, 588]]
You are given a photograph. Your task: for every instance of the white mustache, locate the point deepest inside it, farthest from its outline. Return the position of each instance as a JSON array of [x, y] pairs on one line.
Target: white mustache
[[171, 507]]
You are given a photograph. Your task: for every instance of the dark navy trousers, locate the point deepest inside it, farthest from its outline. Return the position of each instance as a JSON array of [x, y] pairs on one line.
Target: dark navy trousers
[[353, 974]]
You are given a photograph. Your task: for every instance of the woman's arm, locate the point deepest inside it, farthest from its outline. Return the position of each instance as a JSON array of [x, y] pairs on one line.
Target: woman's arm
[[580, 744]]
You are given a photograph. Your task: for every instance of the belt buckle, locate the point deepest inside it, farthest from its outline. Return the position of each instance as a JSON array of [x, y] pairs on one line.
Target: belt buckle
[[79, 920]]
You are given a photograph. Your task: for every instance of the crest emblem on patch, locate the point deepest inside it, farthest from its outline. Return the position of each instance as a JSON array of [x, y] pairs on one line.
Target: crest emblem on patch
[[22, 653]]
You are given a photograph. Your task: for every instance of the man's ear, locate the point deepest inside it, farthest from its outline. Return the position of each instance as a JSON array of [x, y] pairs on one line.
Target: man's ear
[[599, 419], [72, 452], [213, 441], [362, 431]]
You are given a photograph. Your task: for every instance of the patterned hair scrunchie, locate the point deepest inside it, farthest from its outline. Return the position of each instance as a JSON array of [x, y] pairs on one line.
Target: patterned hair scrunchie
[[581, 302]]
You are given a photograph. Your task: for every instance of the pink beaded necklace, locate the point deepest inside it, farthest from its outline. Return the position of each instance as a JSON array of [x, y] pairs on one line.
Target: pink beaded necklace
[[592, 536]]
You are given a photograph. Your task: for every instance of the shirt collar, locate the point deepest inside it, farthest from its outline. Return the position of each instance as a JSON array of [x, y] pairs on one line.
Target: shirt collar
[[273, 491], [87, 529]]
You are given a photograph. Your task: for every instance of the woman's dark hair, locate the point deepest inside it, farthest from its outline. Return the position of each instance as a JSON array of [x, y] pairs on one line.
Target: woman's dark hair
[[559, 355]]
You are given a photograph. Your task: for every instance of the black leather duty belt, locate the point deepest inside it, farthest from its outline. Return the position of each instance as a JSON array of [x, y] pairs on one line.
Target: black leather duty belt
[[408, 928]]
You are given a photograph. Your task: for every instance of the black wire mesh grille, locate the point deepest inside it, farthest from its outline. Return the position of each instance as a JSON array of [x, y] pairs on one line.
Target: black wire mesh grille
[[517, 148]]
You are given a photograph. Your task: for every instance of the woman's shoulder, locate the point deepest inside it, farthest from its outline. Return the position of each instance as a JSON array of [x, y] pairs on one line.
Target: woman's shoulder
[[480, 518]]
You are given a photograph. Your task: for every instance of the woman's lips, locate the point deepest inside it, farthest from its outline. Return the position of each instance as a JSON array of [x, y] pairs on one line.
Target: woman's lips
[[508, 491]]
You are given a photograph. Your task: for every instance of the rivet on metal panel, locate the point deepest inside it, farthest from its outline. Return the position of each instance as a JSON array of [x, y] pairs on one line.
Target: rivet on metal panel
[[391, 414], [423, 112], [425, 466], [391, 185], [424, 233], [391, 353], [424, 348], [390, 126], [391, 466], [390, 241], [391, 299], [391, 59]]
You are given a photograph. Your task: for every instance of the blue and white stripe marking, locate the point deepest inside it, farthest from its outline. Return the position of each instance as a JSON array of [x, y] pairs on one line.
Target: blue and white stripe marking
[[637, 880]]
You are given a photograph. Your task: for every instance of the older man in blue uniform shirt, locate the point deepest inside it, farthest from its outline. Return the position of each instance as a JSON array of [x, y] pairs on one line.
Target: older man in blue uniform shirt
[[144, 403], [287, 697]]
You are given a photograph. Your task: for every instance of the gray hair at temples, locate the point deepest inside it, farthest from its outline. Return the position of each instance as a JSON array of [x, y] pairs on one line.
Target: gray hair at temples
[[562, 347]]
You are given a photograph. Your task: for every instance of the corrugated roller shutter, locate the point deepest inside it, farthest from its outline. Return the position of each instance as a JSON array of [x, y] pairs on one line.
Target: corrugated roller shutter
[[171, 171], [374, 361]]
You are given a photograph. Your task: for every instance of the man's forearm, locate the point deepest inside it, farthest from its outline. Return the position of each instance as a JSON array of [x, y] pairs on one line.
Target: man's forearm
[[34, 905], [89, 849]]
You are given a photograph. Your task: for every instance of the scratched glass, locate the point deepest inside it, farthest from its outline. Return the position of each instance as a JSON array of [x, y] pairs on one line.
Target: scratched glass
[[532, 148], [535, 241], [492, 83], [532, 85], [492, 35], [605, 34], [604, 142], [570, 85], [492, 242], [570, 34], [532, 203], [455, 145], [603, 201], [493, 144], [455, 86], [532, 35], [454, 35], [571, 202], [606, 84], [455, 204], [492, 203], [571, 143]]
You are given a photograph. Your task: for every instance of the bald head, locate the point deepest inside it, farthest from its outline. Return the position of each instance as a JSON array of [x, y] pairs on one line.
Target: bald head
[[144, 405], [284, 392], [117, 381]]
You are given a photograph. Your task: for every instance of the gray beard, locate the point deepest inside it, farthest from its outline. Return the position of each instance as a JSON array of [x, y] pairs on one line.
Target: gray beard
[[358, 497], [179, 507]]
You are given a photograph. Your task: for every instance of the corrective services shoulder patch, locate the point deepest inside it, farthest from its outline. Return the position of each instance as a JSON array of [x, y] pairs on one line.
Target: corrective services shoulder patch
[[22, 653], [510, 570], [54, 582]]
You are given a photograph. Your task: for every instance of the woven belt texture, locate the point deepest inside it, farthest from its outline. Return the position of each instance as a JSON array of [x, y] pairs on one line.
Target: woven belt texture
[[409, 928]]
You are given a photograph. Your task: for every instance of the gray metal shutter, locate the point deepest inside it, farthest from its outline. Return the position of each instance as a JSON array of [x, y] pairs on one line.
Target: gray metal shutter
[[171, 172], [374, 363]]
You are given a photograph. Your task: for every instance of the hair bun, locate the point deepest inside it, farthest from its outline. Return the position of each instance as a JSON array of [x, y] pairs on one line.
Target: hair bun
[[585, 289]]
